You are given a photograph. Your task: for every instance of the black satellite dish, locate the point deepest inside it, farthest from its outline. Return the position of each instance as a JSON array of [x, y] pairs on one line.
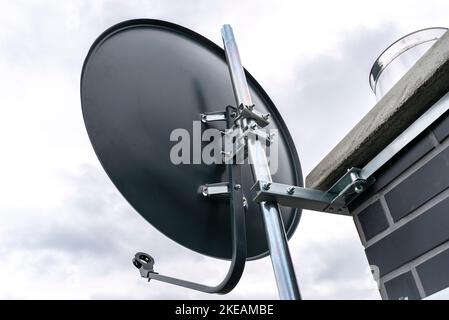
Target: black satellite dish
[[141, 80]]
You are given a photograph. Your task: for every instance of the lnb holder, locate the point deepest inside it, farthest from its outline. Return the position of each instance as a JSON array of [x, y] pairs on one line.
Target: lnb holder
[[145, 263]]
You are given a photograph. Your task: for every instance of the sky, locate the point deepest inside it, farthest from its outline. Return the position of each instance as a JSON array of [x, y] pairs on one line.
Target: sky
[[67, 233]]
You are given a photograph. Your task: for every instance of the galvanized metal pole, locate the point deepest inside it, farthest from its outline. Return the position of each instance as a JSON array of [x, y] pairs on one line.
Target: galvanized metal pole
[[274, 227]]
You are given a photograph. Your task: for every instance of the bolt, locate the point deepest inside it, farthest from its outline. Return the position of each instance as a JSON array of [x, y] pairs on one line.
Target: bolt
[[233, 114], [291, 190], [203, 118], [253, 126], [251, 107], [358, 189], [266, 186], [237, 186], [205, 191], [266, 116]]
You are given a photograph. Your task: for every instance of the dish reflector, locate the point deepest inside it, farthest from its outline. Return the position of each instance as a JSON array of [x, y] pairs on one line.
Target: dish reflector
[[141, 80]]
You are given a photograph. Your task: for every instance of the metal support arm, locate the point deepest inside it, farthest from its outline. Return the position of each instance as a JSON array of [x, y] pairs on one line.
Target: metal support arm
[[335, 200], [145, 262], [292, 196]]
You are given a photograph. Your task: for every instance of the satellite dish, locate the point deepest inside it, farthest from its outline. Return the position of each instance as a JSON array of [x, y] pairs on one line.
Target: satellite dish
[[144, 80], [141, 80]]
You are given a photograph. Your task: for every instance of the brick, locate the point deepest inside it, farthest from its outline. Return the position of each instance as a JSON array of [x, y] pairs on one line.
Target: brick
[[373, 220], [412, 153], [411, 240], [441, 128], [434, 273], [402, 287], [421, 186]]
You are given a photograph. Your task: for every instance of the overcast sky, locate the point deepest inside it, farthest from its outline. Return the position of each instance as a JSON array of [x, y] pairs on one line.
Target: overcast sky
[[66, 232]]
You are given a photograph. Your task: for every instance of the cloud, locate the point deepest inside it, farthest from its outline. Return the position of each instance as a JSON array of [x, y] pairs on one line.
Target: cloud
[[330, 93]]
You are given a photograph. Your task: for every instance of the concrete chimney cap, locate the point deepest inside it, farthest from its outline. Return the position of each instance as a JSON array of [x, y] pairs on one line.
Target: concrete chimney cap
[[424, 84]]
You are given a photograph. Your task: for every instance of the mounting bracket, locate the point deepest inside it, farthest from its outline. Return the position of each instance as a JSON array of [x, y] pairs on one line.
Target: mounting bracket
[[335, 200], [355, 181]]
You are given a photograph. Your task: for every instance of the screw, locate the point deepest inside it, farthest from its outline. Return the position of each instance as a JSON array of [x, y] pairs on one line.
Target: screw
[[251, 107], [203, 118], [233, 114], [291, 190], [266, 186], [266, 116], [237, 186], [205, 191], [253, 126]]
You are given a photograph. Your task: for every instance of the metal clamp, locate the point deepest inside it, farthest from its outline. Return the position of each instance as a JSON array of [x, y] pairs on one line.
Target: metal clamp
[[254, 129], [249, 112], [235, 140], [214, 189], [347, 188]]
